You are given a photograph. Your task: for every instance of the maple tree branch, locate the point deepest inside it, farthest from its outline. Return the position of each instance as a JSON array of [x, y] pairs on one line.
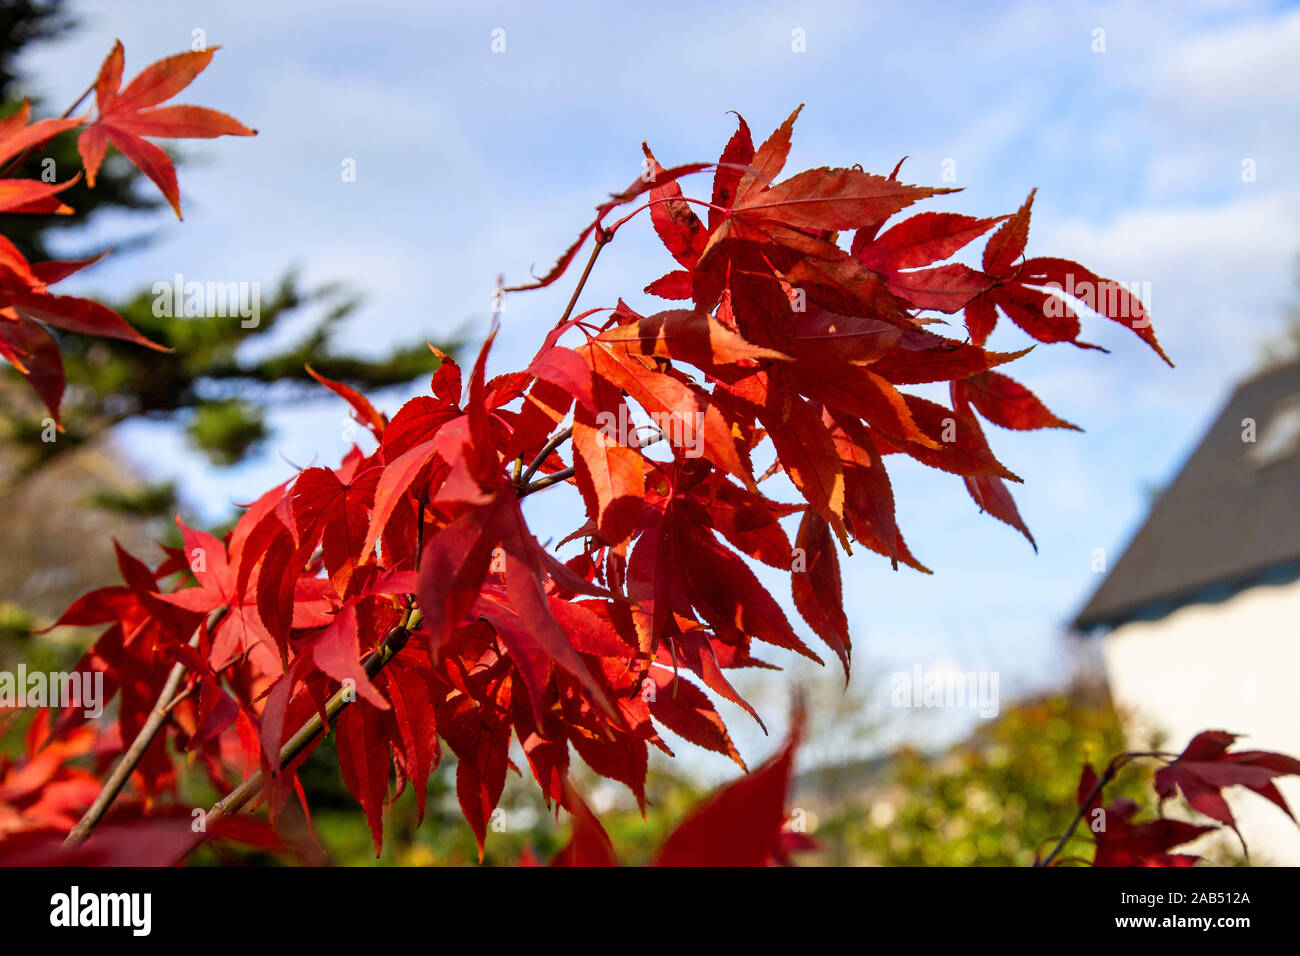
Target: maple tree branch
[[393, 642], [22, 157], [1112, 770], [1078, 815], [193, 686], [131, 759], [175, 701], [555, 441], [667, 199], [524, 489], [602, 238], [552, 479]]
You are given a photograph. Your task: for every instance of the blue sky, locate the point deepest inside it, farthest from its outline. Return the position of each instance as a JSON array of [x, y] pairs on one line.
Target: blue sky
[[472, 163]]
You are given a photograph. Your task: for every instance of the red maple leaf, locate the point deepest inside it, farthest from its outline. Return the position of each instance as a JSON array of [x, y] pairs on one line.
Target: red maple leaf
[[128, 115], [1121, 842], [1205, 769]]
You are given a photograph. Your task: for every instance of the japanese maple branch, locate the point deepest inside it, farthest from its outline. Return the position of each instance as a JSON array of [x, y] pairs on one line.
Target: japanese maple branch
[[1112, 769], [1084, 804], [667, 199], [554, 478], [131, 759], [392, 643], [396, 639], [22, 157], [555, 442], [524, 489], [602, 239]]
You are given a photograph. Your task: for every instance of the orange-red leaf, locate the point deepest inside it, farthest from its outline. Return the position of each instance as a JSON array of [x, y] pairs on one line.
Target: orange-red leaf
[[740, 825], [126, 116]]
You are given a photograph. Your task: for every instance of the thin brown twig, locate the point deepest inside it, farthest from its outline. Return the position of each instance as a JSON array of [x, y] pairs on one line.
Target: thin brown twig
[[1112, 770], [193, 686], [555, 442], [393, 642], [1078, 815], [602, 238], [555, 477], [131, 759], [182, 696], [22, 157], [552, 479]]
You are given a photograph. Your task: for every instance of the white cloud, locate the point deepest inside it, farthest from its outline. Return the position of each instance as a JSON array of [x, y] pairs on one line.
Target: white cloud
[[1251, 66]]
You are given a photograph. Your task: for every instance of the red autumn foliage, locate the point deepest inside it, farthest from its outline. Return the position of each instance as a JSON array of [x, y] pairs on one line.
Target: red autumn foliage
[[743, 824], [408, 576]]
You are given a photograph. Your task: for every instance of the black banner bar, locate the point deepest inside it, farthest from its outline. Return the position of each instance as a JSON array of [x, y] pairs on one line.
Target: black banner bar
[[338, 906]]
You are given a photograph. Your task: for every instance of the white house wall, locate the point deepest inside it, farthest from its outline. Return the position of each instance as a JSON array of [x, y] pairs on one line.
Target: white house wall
[[1231, 666]]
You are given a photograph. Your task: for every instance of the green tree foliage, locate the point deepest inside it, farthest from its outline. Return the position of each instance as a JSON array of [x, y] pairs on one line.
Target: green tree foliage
[[1285, 346], [990, 800]]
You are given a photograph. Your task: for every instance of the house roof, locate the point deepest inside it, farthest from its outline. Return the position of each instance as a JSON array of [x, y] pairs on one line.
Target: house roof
[[1229, 520]]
